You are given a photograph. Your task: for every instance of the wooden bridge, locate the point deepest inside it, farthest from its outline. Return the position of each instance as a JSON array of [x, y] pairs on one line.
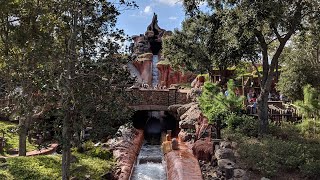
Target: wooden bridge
[[157, 99]]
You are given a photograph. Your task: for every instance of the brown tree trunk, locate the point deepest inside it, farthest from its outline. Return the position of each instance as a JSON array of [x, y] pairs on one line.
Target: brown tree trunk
[[263, 112], [223, 76], [22, 137], [211, 74], [66, 148]]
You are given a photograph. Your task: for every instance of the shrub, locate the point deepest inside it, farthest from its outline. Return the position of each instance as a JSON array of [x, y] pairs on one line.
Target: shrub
[[88, 145], [309, 128], [93, 166], [285, 131], [49, 167], [100, 153], [40, 167], [311, 169], [271, 155], [5, 175], [249, 127], [215, 103], [244, 124]]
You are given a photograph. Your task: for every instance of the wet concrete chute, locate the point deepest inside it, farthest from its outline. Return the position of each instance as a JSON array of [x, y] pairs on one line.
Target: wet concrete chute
[[150, 164]]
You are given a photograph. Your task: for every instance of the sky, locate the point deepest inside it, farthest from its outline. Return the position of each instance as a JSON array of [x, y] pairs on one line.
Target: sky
[[134, 22]]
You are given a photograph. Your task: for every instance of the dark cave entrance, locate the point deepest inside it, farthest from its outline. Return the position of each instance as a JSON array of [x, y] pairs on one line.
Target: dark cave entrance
[[154, 123]]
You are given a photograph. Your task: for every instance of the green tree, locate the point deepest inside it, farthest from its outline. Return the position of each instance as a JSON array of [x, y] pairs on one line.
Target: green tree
[[300, 65], [199, 46], [265, 22], [66, 53], [216, 105], [309, 108], [93, 70], [26, 40]]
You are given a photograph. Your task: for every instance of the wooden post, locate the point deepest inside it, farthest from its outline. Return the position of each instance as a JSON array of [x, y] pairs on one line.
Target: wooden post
[[218, 128], [1, 144]]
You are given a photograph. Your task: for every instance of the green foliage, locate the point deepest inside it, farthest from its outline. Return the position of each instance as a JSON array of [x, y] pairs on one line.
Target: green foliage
[[257, 27], [40, 167], [5, 175], [283, 150], [311, 168], [199, 45], [93, 166], [243, 124], [215, 104], [309, 128], [309, 107], [49, 167], [271, 155], [88, 145], [100, 153], [12, 138], [300, 64]]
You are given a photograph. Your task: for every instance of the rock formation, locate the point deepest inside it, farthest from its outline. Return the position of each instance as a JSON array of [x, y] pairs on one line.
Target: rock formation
[[125, 148], [144, 47], [216, 162]]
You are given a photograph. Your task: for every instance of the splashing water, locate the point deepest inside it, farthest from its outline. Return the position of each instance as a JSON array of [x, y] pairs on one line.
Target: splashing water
[[150, 164], [155, 71]]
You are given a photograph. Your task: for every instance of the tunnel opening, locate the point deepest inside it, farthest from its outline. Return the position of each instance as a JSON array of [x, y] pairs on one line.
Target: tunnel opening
[[154, 123], [155, 46]]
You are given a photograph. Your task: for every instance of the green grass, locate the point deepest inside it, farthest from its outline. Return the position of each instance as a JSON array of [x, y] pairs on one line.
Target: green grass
[[12, 138], [49, 167]]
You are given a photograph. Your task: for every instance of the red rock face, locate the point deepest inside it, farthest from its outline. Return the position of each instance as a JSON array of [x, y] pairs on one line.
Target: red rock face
[[168, 76], [145, 69]]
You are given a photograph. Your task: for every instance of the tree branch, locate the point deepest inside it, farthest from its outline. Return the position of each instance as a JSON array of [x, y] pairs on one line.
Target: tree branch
[[259, 75], [275, 30], [264, 49]]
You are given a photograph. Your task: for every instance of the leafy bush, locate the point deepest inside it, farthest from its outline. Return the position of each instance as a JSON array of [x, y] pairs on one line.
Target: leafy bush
[[93, 166], [49, 167], [40, 167], [5, 175], [100, 153], [244, 124], [286, 131], [271, 155], [311, 168], [309, 128], [215, 104], [12, 138], [88, 145]]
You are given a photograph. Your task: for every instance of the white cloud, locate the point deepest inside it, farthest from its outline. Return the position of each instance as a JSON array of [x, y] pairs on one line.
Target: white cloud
[[170, 2], [173, 18], [148, 10]]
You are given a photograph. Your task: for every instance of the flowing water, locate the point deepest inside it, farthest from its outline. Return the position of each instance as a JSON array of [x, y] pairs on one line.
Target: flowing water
[[155, 71], [150, 164]]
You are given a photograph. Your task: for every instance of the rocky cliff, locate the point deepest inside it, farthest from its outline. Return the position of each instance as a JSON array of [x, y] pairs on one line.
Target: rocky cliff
[[169, 76]]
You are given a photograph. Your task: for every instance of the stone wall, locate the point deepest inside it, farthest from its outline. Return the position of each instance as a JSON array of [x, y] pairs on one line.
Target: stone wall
[[152, 99]]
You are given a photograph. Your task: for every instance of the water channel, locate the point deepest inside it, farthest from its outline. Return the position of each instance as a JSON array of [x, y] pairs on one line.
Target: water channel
[[150, 164]]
